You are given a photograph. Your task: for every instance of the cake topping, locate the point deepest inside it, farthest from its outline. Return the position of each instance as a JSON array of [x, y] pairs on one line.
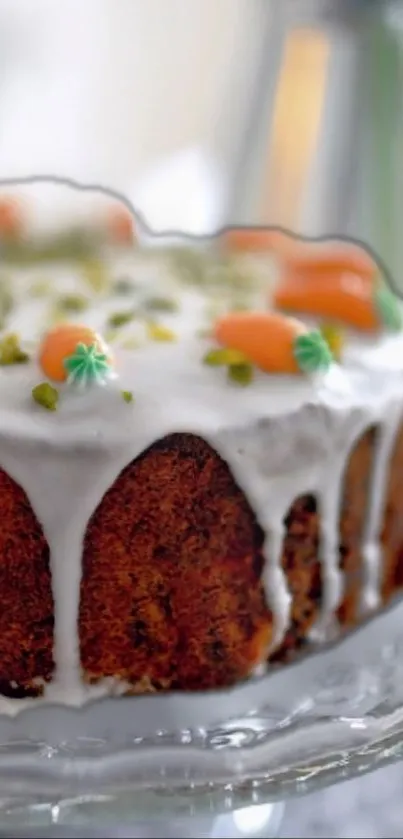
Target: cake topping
[[11, 219], [118, 319], [11, 352], [120, 225], [72, 303], [161, 304], [334, 337], [312, 352], [224, 357], [273, 342], [331, 256], [339, 296], [256, 240], [239, 368], [241, 374], [388, 308], [127, 396], [46, 396], [74, 352], [87, 365], [158, 332]]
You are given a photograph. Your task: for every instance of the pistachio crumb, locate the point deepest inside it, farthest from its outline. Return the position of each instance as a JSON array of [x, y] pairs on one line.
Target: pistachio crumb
[[123, 287], [118, 319], [127, 396], [160, 304], [46, 395], [157, 332], [224, 357], [241, 374], [11, 352], [72, 303]]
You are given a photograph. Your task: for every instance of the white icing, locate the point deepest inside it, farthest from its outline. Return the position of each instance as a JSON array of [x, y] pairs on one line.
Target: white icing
[[282, 437]]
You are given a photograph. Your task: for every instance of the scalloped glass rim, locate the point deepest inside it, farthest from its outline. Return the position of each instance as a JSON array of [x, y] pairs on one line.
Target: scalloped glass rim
[[337, 712]]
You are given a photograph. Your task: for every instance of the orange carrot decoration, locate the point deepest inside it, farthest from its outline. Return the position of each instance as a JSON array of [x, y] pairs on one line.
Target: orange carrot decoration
[[331, 256], [11, 218], [61, 343], [273, 342], [341, 297], [256, 240], [120, 225]]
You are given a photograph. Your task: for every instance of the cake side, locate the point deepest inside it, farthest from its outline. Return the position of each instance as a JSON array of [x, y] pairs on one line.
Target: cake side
[[178, 550], [27, 614]]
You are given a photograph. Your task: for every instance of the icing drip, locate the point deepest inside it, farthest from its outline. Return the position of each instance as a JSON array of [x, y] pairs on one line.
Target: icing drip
[[332, 579], [275, 585]]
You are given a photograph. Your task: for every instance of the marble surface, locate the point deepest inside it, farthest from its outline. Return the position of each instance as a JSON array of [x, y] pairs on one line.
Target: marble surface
[[369, 807]]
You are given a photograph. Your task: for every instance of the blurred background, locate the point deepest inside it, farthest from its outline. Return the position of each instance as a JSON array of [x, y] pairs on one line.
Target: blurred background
[[214, 111], [204, 112]]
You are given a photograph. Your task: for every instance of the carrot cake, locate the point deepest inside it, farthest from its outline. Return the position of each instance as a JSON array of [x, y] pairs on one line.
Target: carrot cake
[[201, 461]]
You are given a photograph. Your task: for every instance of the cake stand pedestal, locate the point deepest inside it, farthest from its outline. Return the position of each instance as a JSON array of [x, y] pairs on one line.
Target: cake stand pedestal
[[213, 764]]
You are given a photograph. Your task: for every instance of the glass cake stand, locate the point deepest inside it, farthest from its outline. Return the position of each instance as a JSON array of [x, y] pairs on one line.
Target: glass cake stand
[[210, 764]]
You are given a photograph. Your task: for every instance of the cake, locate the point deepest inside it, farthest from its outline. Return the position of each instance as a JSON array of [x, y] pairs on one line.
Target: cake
[[198, 482]]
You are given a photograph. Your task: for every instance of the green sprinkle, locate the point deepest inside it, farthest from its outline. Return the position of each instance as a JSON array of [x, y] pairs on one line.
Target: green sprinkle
[[157, 332], [11, 352], [118, 319], [127, 396], [72, 303], [160, 304], [388, 309], [46, 396], [225, 357], [312, 352], [242, 374]]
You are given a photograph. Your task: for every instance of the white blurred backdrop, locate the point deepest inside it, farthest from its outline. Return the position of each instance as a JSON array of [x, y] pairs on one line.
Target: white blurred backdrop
[[143, 96]]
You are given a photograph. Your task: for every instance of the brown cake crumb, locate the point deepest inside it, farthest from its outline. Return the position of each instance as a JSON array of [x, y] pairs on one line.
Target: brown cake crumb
[[392, 529], [354, 509], [26, 616], [171, 588], [302, 567]]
